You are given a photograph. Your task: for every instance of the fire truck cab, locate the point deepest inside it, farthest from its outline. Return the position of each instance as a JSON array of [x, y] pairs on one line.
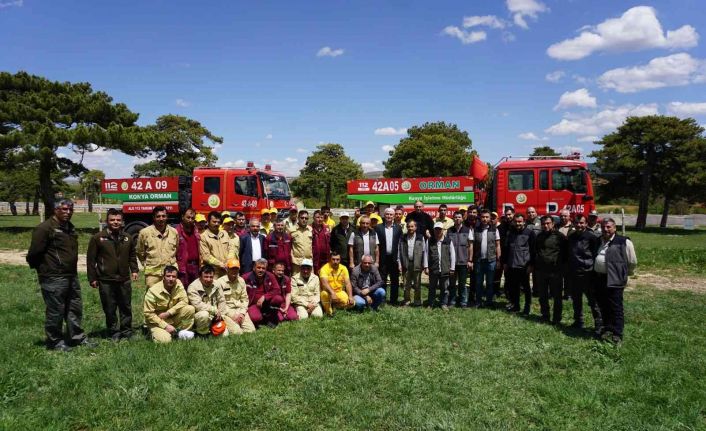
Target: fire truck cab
[[549, 185]]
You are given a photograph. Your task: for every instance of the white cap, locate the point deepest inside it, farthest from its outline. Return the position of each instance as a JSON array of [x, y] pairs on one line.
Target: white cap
[[307, 262], [438, 225], [344, 214], [185, 334]]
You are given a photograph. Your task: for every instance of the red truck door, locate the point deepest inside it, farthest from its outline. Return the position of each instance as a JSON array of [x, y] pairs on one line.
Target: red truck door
[[520, 188], [208, 191], [243, 192]]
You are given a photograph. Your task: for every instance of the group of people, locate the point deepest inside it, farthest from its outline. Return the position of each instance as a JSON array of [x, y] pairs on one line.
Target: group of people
[[216, 271]]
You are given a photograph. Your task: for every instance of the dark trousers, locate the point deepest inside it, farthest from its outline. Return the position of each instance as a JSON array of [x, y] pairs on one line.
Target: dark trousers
[[582, 284], [549, 284], [610, 301], [457, 286], [117, 296], [389, 268], [191, 274], [62, 297], [485, 271], [497, 277], [516, 280], [440, 282]]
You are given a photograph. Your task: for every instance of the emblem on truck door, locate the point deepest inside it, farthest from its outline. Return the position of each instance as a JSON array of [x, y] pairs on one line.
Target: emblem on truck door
[[214, 201], [521, 198]]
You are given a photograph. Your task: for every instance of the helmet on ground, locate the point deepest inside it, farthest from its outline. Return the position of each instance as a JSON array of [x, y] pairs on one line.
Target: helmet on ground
[[218, 328]]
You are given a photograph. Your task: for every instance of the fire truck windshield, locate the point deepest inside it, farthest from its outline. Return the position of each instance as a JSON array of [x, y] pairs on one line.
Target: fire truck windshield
[[275, 186], [573, 180]]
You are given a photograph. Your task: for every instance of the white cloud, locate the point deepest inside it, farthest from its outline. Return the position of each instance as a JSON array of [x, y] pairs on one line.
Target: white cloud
[[588, 139], [182, 103], [673, 70], [530, 136], [580, 79], [234, 164], [464, 36], [372, 166], [601, 122], [390, 131], [217, 147], [555, 76], [302, 151], [637, 29], [685, 109], [327, 51], [580, 97], [487, 20], [268, 136], [388, 148], [12, 3], [520, 9]]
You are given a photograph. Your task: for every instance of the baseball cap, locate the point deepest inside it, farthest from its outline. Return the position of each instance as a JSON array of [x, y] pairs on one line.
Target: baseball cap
[[225, 213], [438, 225], [273, 210], [463, 208], [376, 217], [264, 211], [199, 218], [344, 214], [228, 220], [593, 213], [233, 263], [494, 214], [292, 208], [307, 262], [370, 203]]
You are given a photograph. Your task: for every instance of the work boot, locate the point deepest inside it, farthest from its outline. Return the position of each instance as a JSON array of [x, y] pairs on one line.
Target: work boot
[[60, 347], [87, 344]]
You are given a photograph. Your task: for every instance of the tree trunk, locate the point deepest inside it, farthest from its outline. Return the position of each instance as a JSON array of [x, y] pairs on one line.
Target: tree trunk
[[13, 208], [46, 188], [328, 194], [89, 198], [665, 210], [35, 204], [27, 199], [645, 189]]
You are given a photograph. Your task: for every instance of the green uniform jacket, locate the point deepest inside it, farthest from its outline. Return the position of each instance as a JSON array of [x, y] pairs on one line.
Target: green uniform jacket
[[54, 249], [111, 259]]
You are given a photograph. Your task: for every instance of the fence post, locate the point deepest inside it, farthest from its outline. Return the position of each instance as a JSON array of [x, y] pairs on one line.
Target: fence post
[[622, 219]]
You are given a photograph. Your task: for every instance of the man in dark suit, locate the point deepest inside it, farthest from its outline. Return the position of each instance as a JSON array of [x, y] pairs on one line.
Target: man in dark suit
[[252, 247], [389, 235]]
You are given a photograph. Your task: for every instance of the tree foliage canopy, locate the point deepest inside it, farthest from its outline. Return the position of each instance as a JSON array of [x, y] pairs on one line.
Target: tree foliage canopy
[[544, 151], [325, 174], [654, 155], [433, 149], [179, 148], [39, 117]]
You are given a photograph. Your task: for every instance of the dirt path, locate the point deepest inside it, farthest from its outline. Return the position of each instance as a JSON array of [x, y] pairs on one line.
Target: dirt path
[[17, 257]]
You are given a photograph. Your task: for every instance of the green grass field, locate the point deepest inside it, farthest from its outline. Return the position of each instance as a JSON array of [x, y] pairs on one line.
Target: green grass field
[[16, 231], [397, 369]]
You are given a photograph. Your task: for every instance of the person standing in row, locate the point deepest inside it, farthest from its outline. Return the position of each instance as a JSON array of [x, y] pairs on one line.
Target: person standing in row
[[460, 236], [550, 259], [240, 229], [361, 242], [214, 245], [328, 220], [413, 259], [301, 241], [111, 265], [486, 252], [320, 241], [252, 247], [290, 223], [279, 248], [233, 239], [442, 263], [339, 237], [615, 261], [389, 235], [188, 249], [583, 246], [519, 259], [424, 222], [53, 253], [156, 246]]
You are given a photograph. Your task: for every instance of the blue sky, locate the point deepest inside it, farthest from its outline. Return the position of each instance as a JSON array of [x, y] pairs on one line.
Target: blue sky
[[277, 78]]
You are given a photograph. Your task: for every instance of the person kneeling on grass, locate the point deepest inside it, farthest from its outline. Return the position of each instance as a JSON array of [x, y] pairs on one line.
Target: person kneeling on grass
[[236, 295], [166, 308], [367, 285], [306, 292], [209, 302], [264, 295], [283, 301], [334, 278]]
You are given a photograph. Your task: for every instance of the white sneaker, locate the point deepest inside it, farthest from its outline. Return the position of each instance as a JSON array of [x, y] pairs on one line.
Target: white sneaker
[[185, 334]]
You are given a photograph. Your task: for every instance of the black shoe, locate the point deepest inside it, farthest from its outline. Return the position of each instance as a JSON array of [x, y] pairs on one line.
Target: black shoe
[[60, 347], [116, 337], [544, 319], [526, 311], [577, 325], [616, 339]]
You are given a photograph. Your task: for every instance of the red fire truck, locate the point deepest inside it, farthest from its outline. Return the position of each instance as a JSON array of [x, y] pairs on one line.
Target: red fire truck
[[548, 184], [248, 190]]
